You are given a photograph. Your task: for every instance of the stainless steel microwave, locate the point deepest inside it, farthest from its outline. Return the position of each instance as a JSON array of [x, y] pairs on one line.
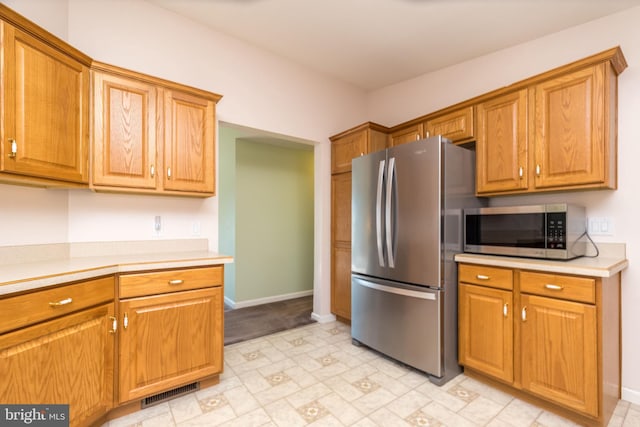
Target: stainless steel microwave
[[550, 231]]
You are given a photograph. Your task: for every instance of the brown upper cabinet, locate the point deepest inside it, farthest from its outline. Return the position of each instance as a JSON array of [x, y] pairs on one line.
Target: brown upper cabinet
[[45, 106], [501, 146], [151, 135], [355, 142], [406, 133], [556, 131], [148, 135], [455, 123]]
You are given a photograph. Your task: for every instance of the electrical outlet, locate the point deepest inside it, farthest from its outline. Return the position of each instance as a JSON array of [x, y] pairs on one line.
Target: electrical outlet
[[600, 226], [195, 228], [157, 224]]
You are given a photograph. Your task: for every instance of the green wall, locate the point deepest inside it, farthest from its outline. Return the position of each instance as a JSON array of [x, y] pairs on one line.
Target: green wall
[[266, 210], [227, 205]]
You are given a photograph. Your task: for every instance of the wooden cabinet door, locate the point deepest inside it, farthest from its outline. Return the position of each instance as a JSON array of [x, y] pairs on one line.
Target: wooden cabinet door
[[501, 146], [124, 132], [169, 340], [189, 143], [341, 245], [45, 107], [456, 125], [485, 341], [341, 280], [345, 149], [407, 134], [68, 360], [571, 136], [559, 352]]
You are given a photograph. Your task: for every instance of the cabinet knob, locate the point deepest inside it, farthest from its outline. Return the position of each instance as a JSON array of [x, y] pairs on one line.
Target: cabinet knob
[[520, 172], [505, 310], [482, 277], [114, 325], [125, 321], [524, 314], [427, 134], [176, 282], [169, 173], [153, 171], [538, 170], [14, 148], [553, 287]]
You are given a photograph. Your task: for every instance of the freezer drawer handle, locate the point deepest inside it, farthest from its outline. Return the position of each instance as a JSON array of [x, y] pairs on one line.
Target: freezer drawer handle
[[399, 291]]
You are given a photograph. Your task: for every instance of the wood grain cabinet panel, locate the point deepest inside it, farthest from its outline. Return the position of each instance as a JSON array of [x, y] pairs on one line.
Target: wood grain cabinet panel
[[124, 132], [45, 109], [169, 340], [345, 149], [341, 245], [68, 360], [406, 134], [572, 144], [559, 352], [189, 143], [151, 136], [501, 146], [457, 126], [485, 330]]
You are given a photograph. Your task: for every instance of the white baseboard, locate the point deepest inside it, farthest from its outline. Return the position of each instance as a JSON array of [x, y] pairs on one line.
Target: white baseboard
[[323, 318], [266, 300], [630, 395]]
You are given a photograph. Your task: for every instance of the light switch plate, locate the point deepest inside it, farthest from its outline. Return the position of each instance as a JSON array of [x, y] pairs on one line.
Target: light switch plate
[[600, 226]]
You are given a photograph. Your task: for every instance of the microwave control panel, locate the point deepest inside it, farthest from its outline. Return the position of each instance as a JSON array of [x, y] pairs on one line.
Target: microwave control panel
[[556, 230]]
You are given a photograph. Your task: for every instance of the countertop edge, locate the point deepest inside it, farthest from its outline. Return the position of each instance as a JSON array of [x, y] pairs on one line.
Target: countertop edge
[[76, 269], [594, 267]]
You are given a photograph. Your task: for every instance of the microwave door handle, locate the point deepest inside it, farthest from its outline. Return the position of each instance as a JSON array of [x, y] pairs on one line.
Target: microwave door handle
[[379, 213], [388, 219]]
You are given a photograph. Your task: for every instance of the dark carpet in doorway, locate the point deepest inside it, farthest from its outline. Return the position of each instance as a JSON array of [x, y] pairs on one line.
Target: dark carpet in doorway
[[252, 322]]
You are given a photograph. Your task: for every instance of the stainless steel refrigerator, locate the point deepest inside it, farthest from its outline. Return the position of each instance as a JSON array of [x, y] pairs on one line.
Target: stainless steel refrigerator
[[407, 205]]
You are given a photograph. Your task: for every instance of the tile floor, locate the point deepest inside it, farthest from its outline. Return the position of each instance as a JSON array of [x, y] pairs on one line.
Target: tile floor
[[314, 376]]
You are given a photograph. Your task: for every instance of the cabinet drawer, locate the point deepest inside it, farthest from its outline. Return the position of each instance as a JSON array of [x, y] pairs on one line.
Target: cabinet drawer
[[27, 309], [492, 277], [160, 282], [572, 288]]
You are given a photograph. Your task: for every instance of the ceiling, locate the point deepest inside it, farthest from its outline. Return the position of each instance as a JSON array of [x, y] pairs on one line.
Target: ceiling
[[375, 43]]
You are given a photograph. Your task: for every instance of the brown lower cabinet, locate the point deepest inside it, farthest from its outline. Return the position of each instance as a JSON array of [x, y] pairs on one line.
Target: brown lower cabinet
[[60, 356], [553, 339], [104, 345], [169, 340]]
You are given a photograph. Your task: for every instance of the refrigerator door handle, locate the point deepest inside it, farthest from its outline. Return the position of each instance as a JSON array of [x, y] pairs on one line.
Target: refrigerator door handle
[[388, 219], [379, 213]]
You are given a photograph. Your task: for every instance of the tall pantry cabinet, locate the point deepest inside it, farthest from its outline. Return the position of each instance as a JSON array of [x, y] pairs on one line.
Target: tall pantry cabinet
[[366, 138]]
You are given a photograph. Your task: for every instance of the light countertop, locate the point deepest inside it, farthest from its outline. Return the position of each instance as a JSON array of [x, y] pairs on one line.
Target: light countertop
[[39, 273], [601, 266]]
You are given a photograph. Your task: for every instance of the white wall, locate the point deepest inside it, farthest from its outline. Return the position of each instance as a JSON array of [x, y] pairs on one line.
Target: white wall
[[409, 99]]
